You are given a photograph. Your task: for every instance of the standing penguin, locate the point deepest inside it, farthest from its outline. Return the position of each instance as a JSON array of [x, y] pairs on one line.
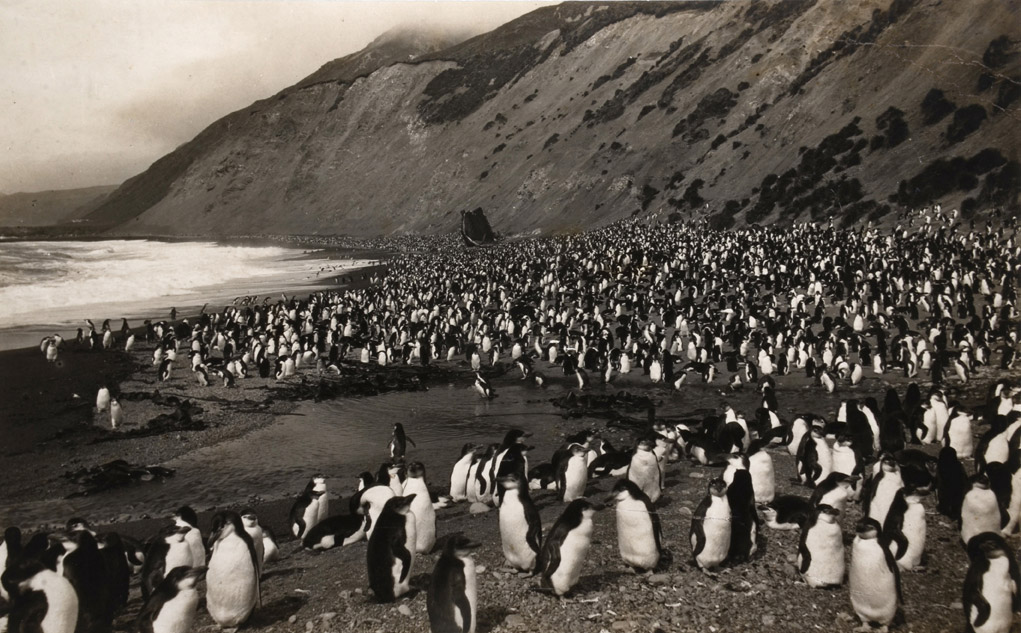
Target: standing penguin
[[186, 517], [639, 534], [41, 599], [951, 479], [881, 489], [992, 587], [815, 458], [644, 469], [391, 551], [760, 467], [172, 607], [834, 491], [572, 474], [981, 510], [452, 601], [566, 547], [821, 549], [710, 528], [422, 508], [905, 529], [305, 511], [167, 550], [232, 580], [744, 526], [251, 523], [459, 473], [81, 563], [399, 442], [875, 578], [116, 413], [520, 526], [103, 399]]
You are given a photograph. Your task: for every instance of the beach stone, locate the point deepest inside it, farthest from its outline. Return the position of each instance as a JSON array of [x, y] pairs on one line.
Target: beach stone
[[478, 508], [404, 610], [684, 511], [309, 625], [514, 620], [481, 569], [659, 579], [696, 475], [957, 606], [329, 615], [845, 616], [620, 625], [768, 620], [292, 619]]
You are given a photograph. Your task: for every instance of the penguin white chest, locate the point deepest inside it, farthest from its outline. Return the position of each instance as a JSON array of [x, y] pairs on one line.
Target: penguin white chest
[[998, 589], [177, 614], [635, 536], [61, 599], [514, 533], [980, 512], [470, 592], [179, 555], [825, 544], [232, 587], [573, 552], [716, 527], [425, 515], [760, 467], [397, 569], [459, 478], [914, 530], [873, 586], [644, 471], [886, 489], [825, 457], [575, 478]]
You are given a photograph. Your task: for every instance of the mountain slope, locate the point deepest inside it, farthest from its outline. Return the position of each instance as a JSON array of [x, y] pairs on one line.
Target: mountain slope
[[42, 208], [580, 114]]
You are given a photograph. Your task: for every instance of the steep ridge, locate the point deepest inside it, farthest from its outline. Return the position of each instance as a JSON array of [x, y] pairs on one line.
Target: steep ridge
[[582, 113], [43, 208]]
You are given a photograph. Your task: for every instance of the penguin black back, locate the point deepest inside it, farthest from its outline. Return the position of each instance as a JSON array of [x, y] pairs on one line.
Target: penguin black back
[[448, 598], [744, 520]]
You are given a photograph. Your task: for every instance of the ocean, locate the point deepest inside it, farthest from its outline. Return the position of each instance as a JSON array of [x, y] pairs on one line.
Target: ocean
[[49, 287]]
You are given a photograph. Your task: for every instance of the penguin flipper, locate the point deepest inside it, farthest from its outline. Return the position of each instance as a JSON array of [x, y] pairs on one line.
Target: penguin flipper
[[147, 616], [657, 528], [402, 554], [458, 592], [804, 552], [1015, 575], [982, 608], [408, 438]]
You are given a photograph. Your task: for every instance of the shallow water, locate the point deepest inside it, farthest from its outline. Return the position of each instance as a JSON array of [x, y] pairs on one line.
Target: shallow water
[[339, 438]]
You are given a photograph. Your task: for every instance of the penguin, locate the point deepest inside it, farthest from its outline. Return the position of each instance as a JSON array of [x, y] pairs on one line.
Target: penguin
[[452, 599], [251, 522], [821, 549], [744, 522], [483, 388], [370, 503], [305, 511], [459, 473], [115, 561], [815, 458], [169, 549], [338, 530], [760, 467], [270, 549], [566, 547], [391, 552], [951, 479], [981, 510], [10, 549], [116, 413], [874, 578], [710, 533], [847, 460], [787, 512], [644, 470], [905, 529], [103, 399], [881, 489], [399, 442], [173, 606], [164, 370], [958, 434], [992, 585], [41, 599], [520, 526], [186, 517], [422, 508], [639, 533], [79, 560], [232, 579], [833, 491], [572, 474]]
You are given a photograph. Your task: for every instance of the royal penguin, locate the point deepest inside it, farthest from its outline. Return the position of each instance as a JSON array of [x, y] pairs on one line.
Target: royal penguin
[[639, 534], [760, 467], [951, 479], [173, 605], [992, 586], [186, 517], [251, 522], [370, 504], [834, 491], [103, 399], [305, 512], [452, 599], [520, 525], [815, 458], [167, 550], [744, 521], [336, 531], [232, 579], [821, 549], [399, 442], [644, 470], [710, 532], [981, 510], [459, 473], [905, 529], [422, 508], [79, 560], [881, 489], [390, 554], [874, 578], [847, 460], [566, 547], [10, 549], [572, 474], [42, 600], [787, 512], [958, 434]]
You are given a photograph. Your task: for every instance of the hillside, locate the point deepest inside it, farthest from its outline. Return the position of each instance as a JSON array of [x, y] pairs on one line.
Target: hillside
[[43, 208], [582, 113]]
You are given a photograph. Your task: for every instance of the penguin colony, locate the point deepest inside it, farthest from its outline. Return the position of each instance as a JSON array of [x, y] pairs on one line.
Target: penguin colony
[[596, 306]]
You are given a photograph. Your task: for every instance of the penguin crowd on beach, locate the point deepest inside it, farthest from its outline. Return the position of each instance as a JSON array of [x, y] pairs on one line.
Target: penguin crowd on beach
[[682, 306]]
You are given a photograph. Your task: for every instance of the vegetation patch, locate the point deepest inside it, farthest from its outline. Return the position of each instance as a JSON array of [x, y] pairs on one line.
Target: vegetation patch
[[892, 122], [714, 106], [945, 176], [935, 107], [617, 73], [966, 120]]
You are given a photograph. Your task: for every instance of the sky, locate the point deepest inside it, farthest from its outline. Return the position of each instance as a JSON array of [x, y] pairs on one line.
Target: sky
[[93, 92]]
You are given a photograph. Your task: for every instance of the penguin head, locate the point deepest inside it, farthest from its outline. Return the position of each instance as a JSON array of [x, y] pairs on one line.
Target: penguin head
[[914, 495], [185, 578], [224, 524], [647, 444], [459, 545], [75, 524], [980, 481], [625, 489], [318, 484], [186, 516], [515, 436], [988, 545], [578, 450], [249, 518], [868, 528], [827, 513], [889, 463], [768, 513], [417, 470], [718, 487]]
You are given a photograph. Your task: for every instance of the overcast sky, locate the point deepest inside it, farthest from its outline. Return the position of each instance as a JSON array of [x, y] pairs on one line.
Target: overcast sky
[[93, 91]]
